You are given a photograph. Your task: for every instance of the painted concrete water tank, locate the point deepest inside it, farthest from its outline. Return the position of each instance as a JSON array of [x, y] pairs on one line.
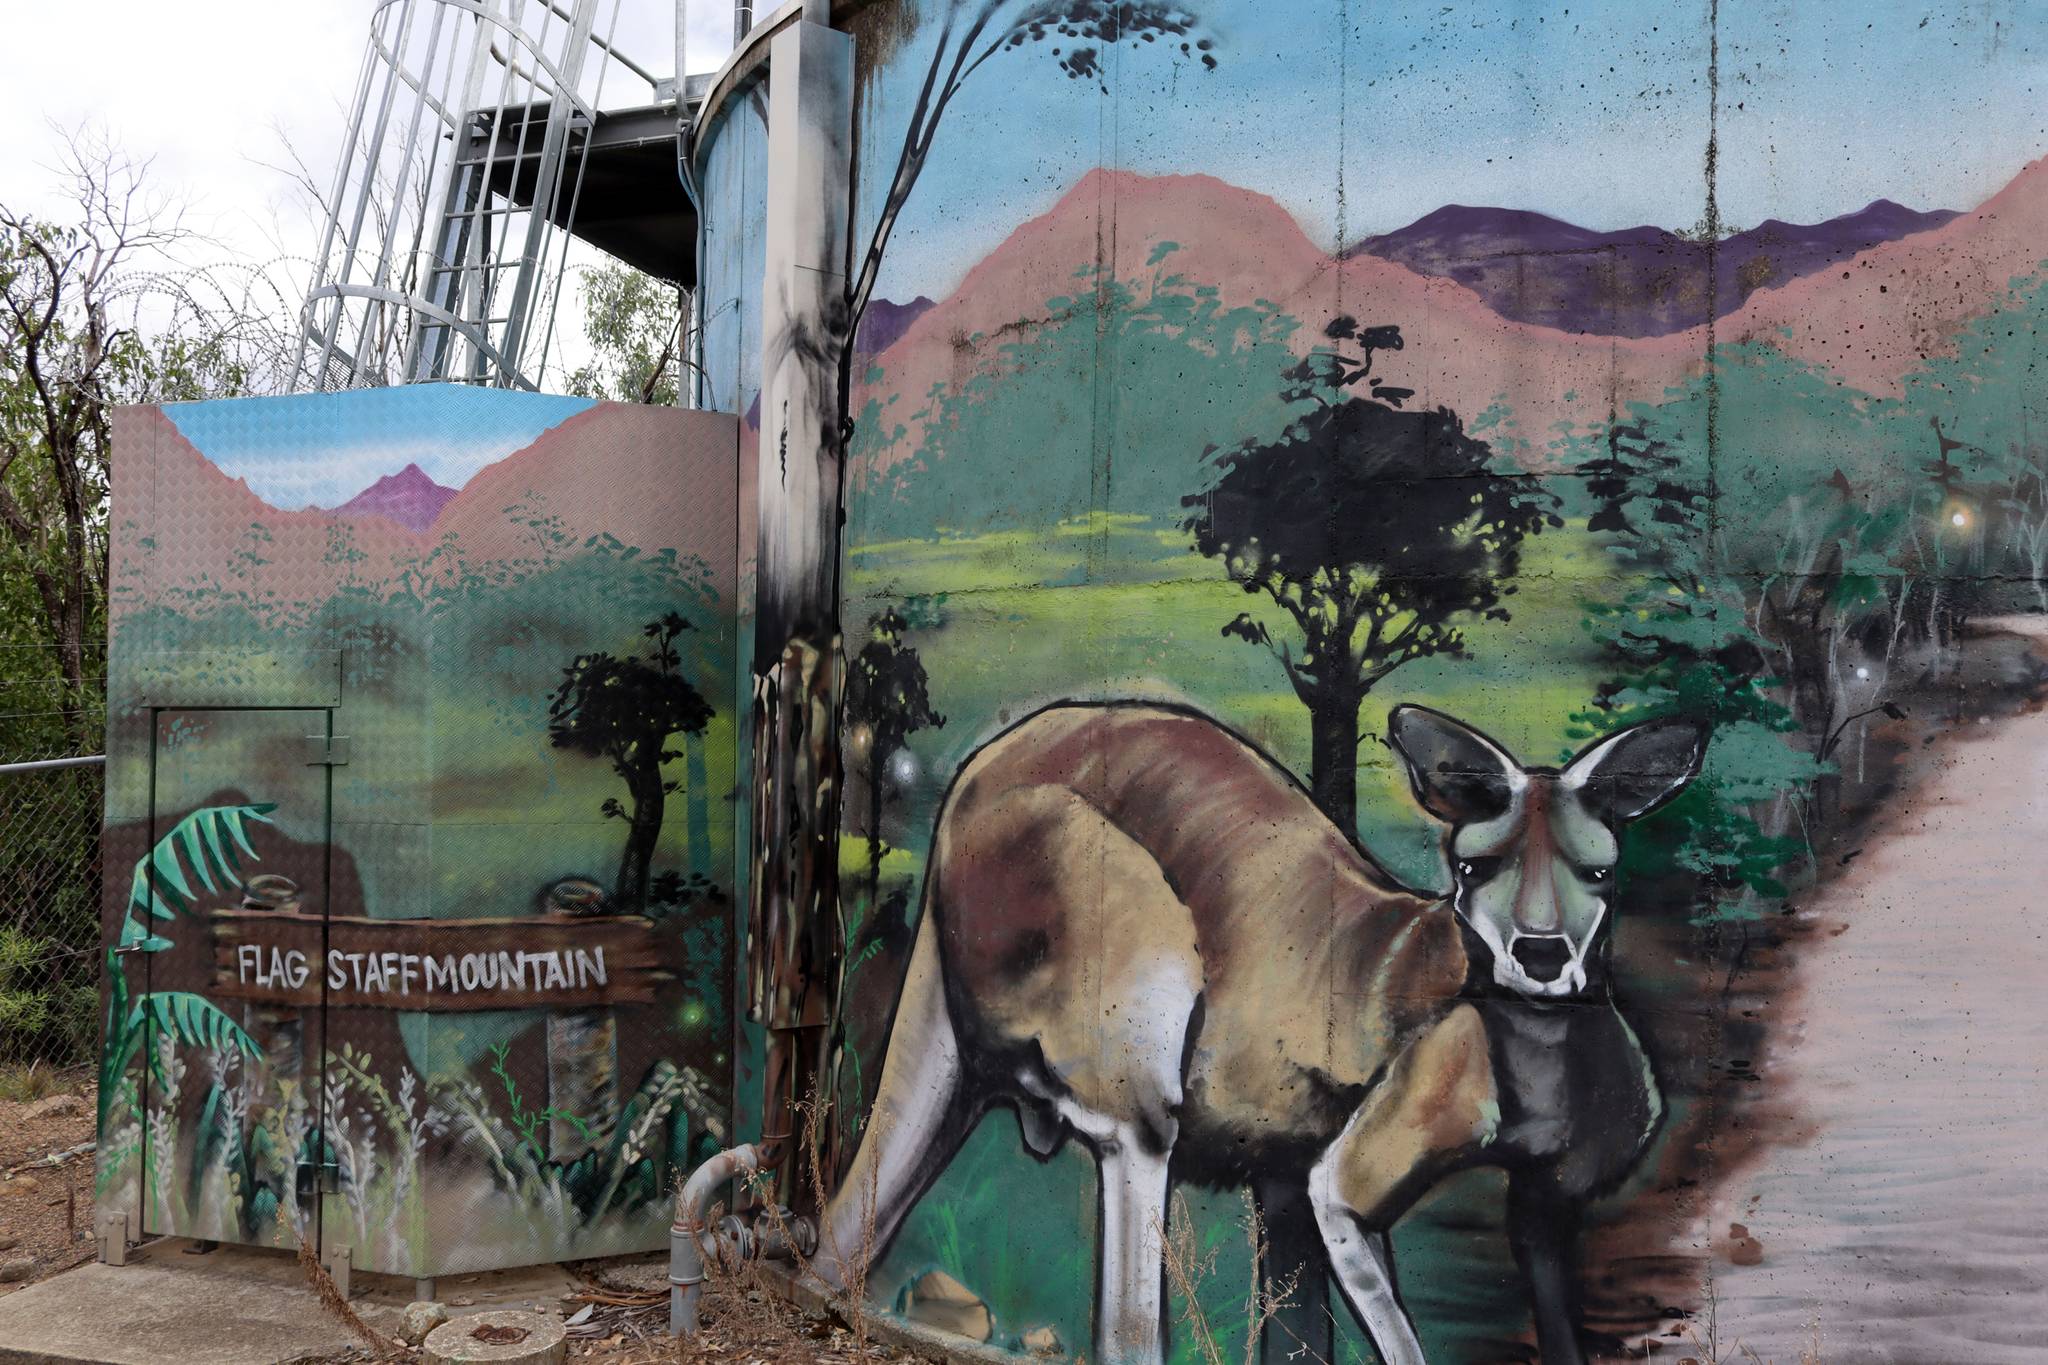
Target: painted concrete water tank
[[1439, 612]]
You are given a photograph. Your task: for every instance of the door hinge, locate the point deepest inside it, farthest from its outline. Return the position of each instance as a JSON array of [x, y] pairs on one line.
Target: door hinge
[[329, 751], [318, 1177]]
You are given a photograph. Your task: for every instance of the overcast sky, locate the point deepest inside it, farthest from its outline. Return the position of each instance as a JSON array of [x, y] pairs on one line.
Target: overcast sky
[[202, 86], [207, 87]]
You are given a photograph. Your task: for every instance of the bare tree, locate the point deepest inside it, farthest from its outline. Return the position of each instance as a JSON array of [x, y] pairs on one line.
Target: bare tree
[[97, 308]]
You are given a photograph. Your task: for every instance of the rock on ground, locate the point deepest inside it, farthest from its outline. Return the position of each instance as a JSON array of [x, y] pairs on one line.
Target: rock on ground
[[421, 1317]]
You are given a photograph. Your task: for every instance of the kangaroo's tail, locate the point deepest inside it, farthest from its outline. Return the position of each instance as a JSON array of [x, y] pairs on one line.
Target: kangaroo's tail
[[917, 1121]]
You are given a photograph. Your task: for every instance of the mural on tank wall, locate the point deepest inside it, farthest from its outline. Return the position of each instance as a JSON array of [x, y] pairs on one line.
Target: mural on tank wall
[[422, 760], [1190, 445], [1178, 455]]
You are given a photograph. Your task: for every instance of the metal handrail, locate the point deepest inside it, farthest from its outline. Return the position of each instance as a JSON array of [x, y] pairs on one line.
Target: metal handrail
[[470, 331], [46, 764]]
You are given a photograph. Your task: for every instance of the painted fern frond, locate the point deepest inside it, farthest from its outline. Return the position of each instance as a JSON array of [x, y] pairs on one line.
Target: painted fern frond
[[202, 847], [193, 1020]]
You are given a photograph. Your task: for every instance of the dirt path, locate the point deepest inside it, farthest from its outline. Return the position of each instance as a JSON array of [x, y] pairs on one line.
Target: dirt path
[[1911, 1223], [45, 1182]]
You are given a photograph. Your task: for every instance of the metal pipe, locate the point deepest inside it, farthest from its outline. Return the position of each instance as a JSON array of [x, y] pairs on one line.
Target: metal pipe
[[742, 21], [43, 764], [683, 52], [687, 1237], [606, 45]]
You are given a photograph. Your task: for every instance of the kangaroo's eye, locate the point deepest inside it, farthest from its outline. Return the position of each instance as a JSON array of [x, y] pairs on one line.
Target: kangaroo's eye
[[1478, 869], [1599, 876]]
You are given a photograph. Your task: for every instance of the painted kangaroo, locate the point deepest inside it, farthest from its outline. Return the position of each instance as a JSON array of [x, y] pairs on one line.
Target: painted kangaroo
[[1140, 931]]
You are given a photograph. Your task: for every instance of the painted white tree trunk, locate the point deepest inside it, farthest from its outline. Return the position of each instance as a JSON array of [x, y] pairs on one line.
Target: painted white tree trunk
[[805, 328]]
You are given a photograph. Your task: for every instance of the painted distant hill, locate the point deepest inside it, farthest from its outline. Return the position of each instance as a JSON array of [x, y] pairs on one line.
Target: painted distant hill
[[1637, 282], [1248, 248], [410, 497], [1873, 318], [884, 322], [643, 498]]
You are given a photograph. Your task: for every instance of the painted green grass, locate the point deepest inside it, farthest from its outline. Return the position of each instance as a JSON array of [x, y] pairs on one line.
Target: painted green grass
[[1115, 607]]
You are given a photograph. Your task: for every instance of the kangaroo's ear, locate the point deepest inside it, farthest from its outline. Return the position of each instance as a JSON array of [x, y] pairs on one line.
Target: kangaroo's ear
[[1632, 773], [1458, 774]]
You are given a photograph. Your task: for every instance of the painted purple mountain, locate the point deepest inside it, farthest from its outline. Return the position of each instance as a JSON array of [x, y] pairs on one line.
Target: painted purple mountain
[[884, 322], [1636, 282], [409, 497]]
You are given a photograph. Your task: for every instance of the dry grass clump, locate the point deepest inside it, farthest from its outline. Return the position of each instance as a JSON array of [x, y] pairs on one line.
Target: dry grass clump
[[22, 1084], [1710, 1349], [1188, 1268]]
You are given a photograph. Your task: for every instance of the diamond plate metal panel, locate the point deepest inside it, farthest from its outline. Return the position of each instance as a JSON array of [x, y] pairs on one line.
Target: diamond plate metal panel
[[518, 611]]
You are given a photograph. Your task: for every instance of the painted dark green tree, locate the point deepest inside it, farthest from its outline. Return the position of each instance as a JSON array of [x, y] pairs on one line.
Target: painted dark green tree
[[888, 699], [1681, 639], [626, 710], [1380, 531]]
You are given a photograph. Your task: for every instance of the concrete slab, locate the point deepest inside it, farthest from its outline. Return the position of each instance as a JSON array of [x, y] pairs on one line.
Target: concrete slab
[[232, 1306]]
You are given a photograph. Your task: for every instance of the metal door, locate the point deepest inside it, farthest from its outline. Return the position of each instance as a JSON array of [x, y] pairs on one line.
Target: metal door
[[233, 988]]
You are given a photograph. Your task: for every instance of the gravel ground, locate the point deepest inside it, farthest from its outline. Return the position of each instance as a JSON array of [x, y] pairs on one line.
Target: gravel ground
[[45, 1194]]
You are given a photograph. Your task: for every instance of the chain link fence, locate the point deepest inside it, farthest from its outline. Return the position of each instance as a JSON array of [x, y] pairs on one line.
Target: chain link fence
[[52, 784]]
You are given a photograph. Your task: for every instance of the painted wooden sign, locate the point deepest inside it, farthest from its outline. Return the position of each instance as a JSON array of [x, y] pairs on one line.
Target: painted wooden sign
[[535, 961]]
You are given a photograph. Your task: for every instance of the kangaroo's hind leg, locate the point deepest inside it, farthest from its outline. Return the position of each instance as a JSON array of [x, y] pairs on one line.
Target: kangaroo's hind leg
[[1081, 961], [920, 1117], [1101, 1010], [1295, 1276]]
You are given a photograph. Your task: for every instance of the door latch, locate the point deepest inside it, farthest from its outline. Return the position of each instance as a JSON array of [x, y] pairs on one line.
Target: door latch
[[329, 751]]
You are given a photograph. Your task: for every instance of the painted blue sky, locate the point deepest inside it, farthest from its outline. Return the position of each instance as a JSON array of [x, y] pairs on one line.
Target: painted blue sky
[[320, 450], [1594, 111]]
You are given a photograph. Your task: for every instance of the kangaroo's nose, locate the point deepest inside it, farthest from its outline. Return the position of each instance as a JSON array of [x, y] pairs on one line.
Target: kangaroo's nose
[[1543, 959]]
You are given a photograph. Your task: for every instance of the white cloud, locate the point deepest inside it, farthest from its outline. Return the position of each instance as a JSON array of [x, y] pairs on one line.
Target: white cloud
[[211, 92]]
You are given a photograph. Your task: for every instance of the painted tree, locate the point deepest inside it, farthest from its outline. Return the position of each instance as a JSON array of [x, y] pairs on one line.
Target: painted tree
[[626, 711], [1679, 639], [888, 699], [807, 411], [1983, 401], [1380, 532]]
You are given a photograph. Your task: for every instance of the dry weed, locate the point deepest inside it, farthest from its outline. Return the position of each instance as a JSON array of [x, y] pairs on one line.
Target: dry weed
[[1712, 1352], [23, 1084], [324, 1288], [853, 1269], [1188, 1267]]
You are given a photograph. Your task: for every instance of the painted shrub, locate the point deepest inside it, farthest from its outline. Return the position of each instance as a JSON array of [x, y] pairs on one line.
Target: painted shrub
[[1192, 376], [421, 757]]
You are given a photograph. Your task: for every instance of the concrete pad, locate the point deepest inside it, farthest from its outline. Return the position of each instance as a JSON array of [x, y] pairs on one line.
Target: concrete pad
[[232, 1306]]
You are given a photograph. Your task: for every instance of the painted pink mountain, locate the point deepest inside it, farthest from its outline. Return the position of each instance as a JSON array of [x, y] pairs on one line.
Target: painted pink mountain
[[410, 497], [1871, 318], [1637, 282], [642, 500]]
